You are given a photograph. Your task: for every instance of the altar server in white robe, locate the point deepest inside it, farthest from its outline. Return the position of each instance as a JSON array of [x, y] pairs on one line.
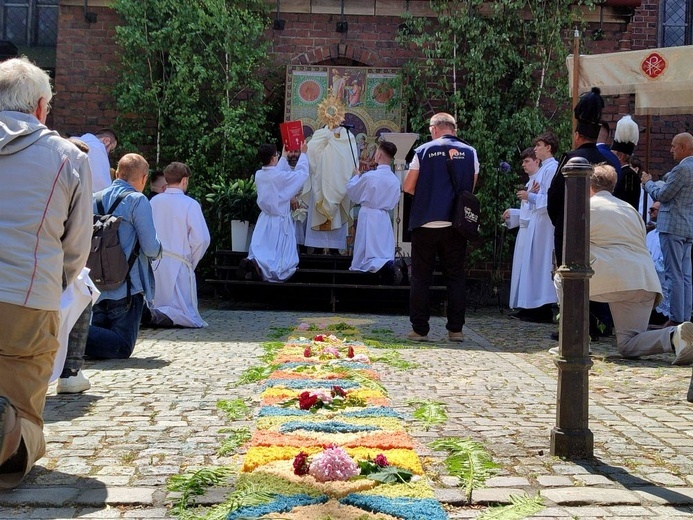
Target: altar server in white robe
[[183, 232], [332, 153], [377, 191], [531, 285], [273, 253]]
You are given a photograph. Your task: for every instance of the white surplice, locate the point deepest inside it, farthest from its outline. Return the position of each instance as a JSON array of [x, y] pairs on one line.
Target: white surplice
[[332, 154], [273, 246], [378, 193], [184, 236], [531, 283]]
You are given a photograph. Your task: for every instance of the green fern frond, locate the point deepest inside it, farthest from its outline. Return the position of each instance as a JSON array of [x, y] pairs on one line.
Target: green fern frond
[[366, 382], [234, 409], [278, 332], [429, 413], [255, 374], [237, 438], [394, 359], [468, 460], [243, 497], [271, 348], [519, 508], [195, 484]]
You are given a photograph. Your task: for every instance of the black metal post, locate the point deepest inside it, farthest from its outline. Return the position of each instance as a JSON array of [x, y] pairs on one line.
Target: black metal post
[[571, 437]]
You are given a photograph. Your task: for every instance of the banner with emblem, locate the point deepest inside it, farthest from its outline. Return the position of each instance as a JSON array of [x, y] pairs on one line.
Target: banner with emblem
[[661, 79]]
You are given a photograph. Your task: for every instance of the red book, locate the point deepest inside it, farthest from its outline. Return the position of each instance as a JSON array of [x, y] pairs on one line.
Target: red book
[[292, 135]]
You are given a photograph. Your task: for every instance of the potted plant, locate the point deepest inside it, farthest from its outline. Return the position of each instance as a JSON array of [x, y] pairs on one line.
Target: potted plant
[[235, 201]]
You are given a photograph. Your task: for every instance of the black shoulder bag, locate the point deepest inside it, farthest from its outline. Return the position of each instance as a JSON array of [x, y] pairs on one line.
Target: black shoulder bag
[[466, 209]]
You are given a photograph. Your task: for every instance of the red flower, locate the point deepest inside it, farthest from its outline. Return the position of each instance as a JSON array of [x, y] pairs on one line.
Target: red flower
[[306, 401], [301, 464], [338, 391], [307, 352], [381, 461], [350, 353], [319, 337]]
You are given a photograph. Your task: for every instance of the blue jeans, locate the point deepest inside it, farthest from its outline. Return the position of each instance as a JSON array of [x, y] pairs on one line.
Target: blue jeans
[[114, 328], [676, 252], [450, 247]]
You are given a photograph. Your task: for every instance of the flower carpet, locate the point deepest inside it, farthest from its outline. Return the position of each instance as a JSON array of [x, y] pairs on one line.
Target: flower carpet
[[327, 443]]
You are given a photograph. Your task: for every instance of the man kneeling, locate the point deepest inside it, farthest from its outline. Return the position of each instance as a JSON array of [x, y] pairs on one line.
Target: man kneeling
[[117, 312], [377, 191], [625, 276]]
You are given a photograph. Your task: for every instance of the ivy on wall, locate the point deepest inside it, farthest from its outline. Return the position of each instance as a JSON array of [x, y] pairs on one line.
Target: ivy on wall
[[499, 67], [190, 83]]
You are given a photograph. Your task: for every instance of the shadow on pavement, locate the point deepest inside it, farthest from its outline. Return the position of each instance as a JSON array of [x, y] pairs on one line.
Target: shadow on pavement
[[65, 407], [66, 489], [136, 363], [656, 492]]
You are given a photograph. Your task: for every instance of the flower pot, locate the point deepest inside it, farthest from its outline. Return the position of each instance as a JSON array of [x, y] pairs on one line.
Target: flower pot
[[239, 235], [251, 229]]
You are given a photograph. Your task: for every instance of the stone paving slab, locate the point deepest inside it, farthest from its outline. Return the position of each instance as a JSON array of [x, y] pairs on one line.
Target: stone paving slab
[[111, 450]]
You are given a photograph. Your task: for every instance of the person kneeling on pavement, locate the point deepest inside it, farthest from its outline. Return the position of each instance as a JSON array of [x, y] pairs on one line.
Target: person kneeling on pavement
[[625, 276], [117, 312], [377, 191]]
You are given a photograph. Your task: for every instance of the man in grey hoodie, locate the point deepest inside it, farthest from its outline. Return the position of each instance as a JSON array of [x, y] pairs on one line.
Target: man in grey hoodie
[[45, 229]]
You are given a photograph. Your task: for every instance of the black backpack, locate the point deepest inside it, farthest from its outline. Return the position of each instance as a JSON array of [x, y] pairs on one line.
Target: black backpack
[[108, 265]]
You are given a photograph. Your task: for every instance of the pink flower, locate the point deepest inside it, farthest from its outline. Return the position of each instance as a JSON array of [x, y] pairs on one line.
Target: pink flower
[[332, 351], [361, 358], [323, 396], [303, 326], [333, 464], [381, 461], [301, 464]]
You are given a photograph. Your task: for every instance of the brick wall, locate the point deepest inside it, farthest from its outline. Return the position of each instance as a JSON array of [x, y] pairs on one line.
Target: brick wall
[[85, 59], [87, 56]]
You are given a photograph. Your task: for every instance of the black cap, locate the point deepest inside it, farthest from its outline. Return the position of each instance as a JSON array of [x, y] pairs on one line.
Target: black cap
[[588, 113]]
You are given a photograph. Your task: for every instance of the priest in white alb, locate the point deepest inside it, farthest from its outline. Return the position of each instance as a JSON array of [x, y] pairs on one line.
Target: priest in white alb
[[333, 155], [377, 191], [183, 232], [273, 255]]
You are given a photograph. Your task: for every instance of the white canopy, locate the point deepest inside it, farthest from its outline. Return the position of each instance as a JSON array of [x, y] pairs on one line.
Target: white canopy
[[661, 79]]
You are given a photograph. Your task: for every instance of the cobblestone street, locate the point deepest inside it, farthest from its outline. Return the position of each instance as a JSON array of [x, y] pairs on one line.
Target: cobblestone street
[[111, 450]]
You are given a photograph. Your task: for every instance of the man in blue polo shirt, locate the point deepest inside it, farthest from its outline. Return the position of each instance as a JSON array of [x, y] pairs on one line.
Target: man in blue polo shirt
[[429, 181]]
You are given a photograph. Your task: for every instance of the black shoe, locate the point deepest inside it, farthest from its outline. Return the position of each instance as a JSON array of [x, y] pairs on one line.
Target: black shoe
[[386, 274], [554, 336]]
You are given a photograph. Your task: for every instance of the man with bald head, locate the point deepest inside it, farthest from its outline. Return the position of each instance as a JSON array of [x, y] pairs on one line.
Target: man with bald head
[[117, 312], [675, 225]]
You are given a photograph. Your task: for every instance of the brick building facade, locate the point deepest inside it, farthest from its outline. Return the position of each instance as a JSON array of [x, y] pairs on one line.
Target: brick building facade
[[86, 56]]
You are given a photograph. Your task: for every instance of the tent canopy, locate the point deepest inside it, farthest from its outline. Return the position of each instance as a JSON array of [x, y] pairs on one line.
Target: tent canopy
[[661, 79]]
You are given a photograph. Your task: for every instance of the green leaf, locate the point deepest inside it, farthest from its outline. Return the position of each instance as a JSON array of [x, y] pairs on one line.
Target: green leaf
[[235, 409], [519, 508], [429, 412], [468, 460]]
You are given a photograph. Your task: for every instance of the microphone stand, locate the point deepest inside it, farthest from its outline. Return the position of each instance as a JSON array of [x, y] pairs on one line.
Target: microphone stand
[[496, 278], [347, 127]]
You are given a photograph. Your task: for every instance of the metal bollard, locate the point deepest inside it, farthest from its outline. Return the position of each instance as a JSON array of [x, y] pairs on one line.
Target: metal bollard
[[571, 437]]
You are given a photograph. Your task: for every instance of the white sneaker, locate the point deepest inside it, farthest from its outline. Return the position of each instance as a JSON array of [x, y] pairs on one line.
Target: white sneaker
[[73, 384], [682, 341]]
